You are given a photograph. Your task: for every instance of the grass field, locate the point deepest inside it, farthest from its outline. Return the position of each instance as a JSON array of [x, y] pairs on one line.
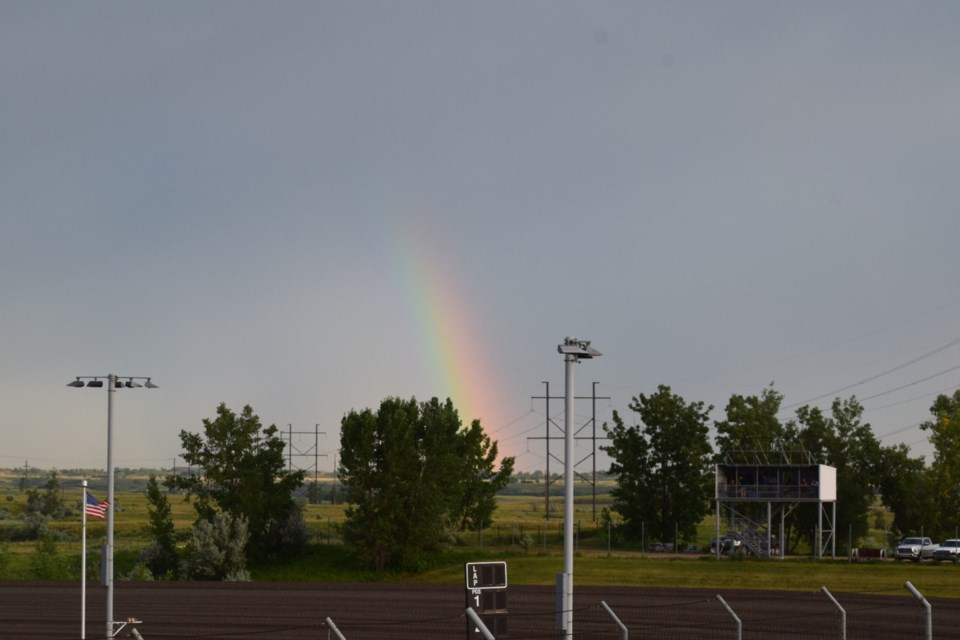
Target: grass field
[[599, 561], [328, 564]]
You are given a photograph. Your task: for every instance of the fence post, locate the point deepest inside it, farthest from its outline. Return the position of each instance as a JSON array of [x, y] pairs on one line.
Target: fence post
[[843, 614], [732, 615], [475, 619], [623, 629], [333, 628], [926, 606]]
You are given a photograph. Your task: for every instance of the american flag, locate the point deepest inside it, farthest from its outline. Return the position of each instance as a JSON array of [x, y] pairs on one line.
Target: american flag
[[94, 508]]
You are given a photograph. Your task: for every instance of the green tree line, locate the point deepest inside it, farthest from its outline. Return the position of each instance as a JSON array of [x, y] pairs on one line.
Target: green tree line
[[664, 464], [415, 478]]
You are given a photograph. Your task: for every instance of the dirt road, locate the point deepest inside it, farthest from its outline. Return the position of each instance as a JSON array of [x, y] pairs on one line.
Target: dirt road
[[169, 610]]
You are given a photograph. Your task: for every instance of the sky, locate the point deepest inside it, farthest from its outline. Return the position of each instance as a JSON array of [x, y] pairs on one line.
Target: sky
[[308, 207]]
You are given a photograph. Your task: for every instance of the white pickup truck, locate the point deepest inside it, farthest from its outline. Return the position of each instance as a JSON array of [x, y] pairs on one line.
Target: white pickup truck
[[949, 551], [916, 549]]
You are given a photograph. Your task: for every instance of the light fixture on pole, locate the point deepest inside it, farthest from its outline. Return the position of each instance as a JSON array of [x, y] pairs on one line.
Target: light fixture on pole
[[573, 351], [112, 385]]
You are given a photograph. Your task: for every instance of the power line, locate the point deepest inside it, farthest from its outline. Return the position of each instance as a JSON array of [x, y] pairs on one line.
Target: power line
[[921, 397], [910, 384], [900, 430], [510, 424], [900, 366], [831, 346]]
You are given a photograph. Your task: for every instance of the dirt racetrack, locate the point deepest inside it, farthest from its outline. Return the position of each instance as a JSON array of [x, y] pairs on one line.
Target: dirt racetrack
[[170, 610]]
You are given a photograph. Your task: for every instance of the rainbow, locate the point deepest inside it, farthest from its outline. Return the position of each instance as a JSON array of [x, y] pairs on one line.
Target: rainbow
[[446, 329]]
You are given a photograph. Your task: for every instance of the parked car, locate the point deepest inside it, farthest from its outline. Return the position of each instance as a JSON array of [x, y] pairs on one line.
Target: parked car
[[915, 549], [949, 551], [727, 545]]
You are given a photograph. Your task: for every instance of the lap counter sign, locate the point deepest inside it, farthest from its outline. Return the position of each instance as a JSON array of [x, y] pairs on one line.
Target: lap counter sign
[[486, 593]]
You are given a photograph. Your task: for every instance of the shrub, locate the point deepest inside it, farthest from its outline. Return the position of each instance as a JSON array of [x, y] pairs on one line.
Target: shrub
[[140, 571], [525, 542], [291, 534], [217, 547], [160, 561], [46, 563], [35, 526]]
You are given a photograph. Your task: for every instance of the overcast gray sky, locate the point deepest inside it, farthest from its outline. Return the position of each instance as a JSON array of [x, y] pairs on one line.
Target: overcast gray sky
[[310, 206]]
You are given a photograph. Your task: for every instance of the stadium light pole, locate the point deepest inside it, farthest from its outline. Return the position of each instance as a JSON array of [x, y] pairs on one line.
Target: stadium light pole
[[113, 384], [573, 351]]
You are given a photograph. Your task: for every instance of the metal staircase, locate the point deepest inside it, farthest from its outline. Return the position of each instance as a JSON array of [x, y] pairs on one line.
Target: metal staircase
[[753, 541], [752, 536]]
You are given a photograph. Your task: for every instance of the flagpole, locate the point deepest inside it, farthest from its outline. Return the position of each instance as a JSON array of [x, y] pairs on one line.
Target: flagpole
[[83, 569]]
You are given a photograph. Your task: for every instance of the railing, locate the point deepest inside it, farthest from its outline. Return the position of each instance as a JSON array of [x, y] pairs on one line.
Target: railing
[[762, 491]]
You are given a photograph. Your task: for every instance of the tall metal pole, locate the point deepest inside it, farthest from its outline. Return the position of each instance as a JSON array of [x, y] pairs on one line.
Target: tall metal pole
[[572, 350], [546, 484], [819, 530], [569, 360], [593, 455], [107, 556], [111, 390], [83, 567]]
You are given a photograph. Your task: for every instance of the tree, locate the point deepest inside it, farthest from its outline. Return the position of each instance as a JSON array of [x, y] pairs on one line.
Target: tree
[[751, 425], [846, 443], [905, 489], [49, 502], [944, 473], [161, 555], [855, 453], [663, 472], [411, 476], [292, 533], [480, 477], [241, 471]]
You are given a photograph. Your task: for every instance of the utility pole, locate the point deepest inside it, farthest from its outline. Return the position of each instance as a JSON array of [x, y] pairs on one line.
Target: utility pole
[[592, 437], [333, 494], [593, 455], [310, 452], [548, 481]]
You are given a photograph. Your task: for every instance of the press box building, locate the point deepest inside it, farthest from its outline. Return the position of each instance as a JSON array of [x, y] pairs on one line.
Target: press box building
[[781, 487]]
